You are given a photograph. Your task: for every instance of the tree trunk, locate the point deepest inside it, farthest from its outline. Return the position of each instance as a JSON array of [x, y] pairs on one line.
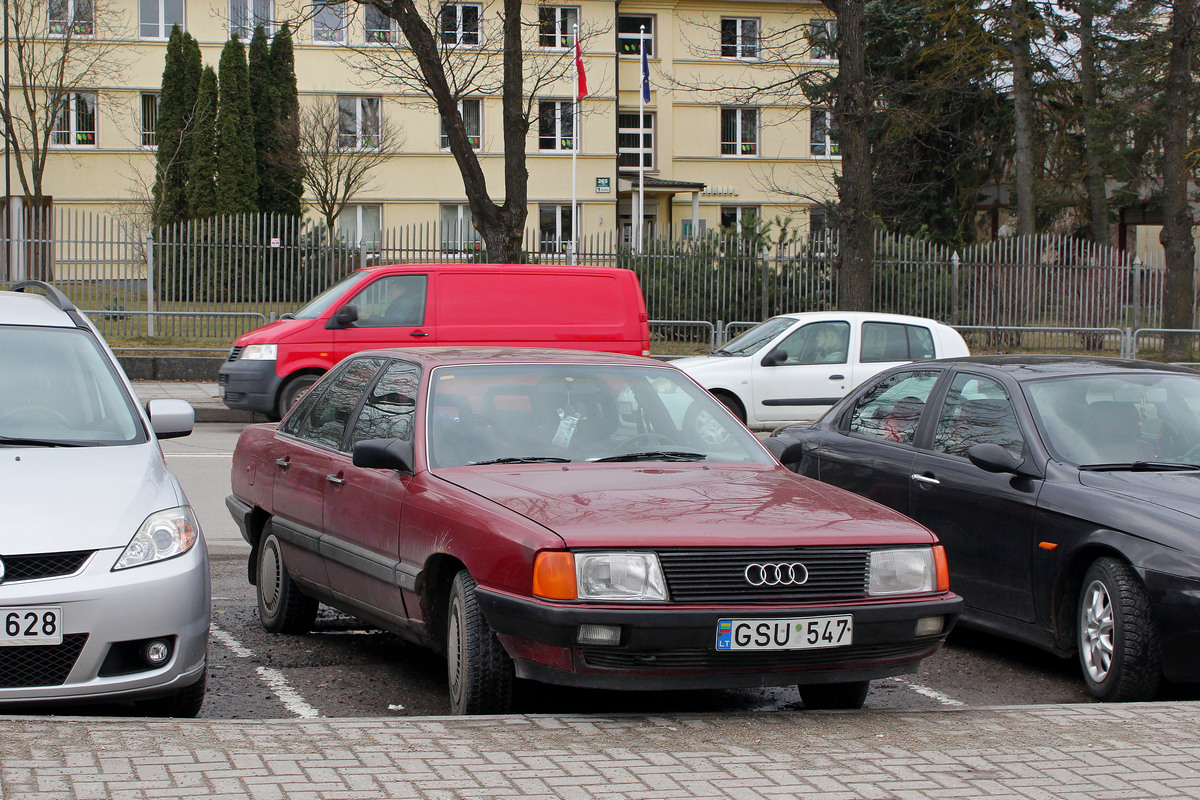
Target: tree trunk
[[1023, 117], [1179, 292], [1093, 141]]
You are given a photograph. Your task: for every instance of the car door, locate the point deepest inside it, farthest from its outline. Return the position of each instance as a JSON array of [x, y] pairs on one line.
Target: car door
[[392, 312], [985, 520], [362, 506], [871, 450], [802, 374]]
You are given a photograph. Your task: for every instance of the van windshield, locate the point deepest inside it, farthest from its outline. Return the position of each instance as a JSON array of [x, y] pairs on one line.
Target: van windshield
[[325, 299]]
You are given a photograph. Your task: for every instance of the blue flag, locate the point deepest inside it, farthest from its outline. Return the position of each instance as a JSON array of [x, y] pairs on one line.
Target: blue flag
[[645, 75]]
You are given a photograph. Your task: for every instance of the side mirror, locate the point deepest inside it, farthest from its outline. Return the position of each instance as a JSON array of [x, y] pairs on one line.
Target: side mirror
[[785, 451], [344, 317], [395, 454], [171, 419], [994, 458], [774, 358]]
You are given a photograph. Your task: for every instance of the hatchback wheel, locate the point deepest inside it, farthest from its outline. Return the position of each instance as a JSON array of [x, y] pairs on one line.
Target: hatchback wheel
[[184, 703], [1118, 643], [818, 696], [282, 608], [479, 670]]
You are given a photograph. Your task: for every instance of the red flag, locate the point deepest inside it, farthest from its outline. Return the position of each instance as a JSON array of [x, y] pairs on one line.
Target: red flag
[[582, 76]]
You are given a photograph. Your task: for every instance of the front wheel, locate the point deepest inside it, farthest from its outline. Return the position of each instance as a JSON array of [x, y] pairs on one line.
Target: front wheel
[[293, 392], [185, 703], [1118, 642], [479, 670], [819, 696], [282, 608]]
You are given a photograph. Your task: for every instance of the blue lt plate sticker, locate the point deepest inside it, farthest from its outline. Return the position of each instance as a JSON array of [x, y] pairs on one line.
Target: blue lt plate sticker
[[796, 633]]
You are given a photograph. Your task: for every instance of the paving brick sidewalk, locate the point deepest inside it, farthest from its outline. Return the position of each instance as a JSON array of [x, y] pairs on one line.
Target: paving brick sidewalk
[[1061, 752]]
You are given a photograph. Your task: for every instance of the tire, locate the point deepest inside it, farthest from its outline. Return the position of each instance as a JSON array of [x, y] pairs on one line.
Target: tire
[[1117, 638], [701, 426], [185, 703], [282, 608], [293, 391], [820, 696], [733, 404], [479, 671]]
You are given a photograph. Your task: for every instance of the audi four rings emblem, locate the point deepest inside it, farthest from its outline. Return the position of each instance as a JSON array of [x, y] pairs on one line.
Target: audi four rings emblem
[[792, 574]]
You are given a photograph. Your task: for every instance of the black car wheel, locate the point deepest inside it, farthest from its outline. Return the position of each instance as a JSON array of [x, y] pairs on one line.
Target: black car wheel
[[1118, 643], [479, 670], [818, 696], [185, 703], [282, 608]]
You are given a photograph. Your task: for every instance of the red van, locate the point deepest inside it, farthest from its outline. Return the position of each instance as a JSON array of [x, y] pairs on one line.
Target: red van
[[480, 305]]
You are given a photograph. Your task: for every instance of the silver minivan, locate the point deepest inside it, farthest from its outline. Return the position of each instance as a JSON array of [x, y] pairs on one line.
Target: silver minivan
[[104, 577]]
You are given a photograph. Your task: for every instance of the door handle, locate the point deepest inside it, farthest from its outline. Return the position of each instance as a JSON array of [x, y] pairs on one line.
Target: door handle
[[418, 333], [837, 377], [926, 480], [335, 479], [283, 463]]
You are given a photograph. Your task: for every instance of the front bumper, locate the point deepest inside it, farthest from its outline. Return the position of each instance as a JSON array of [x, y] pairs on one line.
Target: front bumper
[[1175, 601], [673, 647], [104, 615], [249, 385]]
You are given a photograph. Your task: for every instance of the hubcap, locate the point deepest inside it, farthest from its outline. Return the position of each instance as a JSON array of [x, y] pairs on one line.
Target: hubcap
[[1096, 631], [709, 430], [454, 647], [269, 577]]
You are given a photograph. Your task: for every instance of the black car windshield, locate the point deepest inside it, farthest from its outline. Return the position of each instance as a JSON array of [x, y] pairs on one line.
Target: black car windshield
[[757, 337], [557, 413], [1127, 420], [59, 388]]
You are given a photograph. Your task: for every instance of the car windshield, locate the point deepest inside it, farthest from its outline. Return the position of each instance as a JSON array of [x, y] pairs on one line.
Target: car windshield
[[1120, 420], [58, 388], [754, 339], [317, 306], [551, 413]]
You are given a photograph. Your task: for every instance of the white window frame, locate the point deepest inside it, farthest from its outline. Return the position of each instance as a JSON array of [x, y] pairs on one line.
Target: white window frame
[[646, 134], [458, 232], [374, 35], [161, 26], [558, 31], [562, 228], [70, 115], [741, 146], [476, 137], [246, 15], [149, 121], [830, 144], [356, 137], [745, 37], [739, 212], [66, 19], [565, 113], [351, 221], [828, 28], [461, 36], [630, 43], [325, 13]]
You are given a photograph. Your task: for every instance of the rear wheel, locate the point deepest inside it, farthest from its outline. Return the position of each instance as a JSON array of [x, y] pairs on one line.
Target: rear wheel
[[293, 391], [1118, 642], [282, 608], [479, 671], [733, 404], [817, 696]]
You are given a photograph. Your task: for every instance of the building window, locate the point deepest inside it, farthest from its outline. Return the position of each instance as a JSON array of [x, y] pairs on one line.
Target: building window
[[159, 16], [739, 131], [74, 17], [471, 109], [246, 15], [458, 230], [820, 236], [75, 125], [149, 119], [329, 22], [739, 38], [823, 138], [460, 24], [358, 123], [631, 38], [822, 40], [361, 224], [554, 225], [556, 125], [556, 27], [734, 217], [378, 27], [635, 142]]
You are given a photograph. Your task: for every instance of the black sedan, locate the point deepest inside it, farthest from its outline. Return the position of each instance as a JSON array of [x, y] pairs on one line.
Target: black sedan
[[1066, 491]]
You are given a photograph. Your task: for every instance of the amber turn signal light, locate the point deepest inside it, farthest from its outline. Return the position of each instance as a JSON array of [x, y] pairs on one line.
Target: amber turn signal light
[[554, 575], [942, 567]]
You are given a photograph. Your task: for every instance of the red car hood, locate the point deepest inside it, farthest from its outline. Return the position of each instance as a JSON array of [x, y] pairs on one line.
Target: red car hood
[[659, 505]]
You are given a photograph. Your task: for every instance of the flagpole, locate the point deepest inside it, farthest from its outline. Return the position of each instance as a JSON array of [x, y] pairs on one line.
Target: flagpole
[[642, 91], [575, 155]]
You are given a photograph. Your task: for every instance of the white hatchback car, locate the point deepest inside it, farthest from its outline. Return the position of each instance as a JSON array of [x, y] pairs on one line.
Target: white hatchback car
[[793, 367], [104, 581]]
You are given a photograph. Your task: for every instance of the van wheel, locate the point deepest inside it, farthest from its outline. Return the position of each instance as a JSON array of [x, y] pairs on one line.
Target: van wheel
[[818, 696], [282, 608], [479, 671], [293, 391]]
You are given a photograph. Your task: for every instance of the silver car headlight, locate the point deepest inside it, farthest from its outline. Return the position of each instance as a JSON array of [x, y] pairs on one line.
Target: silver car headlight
[[908, 571], [164, 534], [260, 352], [619, 576]]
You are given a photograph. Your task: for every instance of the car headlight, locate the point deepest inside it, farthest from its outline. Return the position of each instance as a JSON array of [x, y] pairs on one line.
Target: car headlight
[[164, 534], [908, 571], [599, 576], [260, 352]]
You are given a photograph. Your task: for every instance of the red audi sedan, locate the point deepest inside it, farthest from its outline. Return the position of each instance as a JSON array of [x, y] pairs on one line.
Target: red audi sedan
[[577, 519]]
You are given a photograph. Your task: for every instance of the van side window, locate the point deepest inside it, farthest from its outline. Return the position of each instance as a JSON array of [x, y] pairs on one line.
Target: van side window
[[892, 341], [392, 301]]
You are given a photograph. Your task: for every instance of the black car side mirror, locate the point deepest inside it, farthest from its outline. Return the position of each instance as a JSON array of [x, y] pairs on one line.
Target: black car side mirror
[[787, 452], [994, 458], [774, 358], [345, 316], [394, 454]]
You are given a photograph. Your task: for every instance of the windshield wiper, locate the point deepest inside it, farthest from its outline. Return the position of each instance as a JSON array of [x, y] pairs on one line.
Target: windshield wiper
[[522, 460], [655, 455], [17, 441], [1140, 466]]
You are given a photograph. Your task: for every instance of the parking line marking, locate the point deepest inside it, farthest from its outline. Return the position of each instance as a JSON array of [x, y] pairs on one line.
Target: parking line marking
[[932, 694], [273, 678]]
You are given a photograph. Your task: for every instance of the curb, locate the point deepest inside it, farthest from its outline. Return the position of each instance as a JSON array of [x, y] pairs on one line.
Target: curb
[[171, 368]]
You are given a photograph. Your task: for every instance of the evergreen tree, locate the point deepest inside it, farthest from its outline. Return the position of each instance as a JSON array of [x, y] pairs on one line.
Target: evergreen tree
[[202, 177], [173, 131], [264, 105], [237, 174], [286, 184]]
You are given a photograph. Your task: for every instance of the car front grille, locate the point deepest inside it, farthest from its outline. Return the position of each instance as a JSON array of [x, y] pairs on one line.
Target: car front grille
[[43, 565], [718, 574], [40, 665], [735, 661], [235, 353]]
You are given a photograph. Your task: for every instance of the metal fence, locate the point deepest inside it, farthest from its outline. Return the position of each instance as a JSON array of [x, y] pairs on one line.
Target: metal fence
[[210, 280]]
